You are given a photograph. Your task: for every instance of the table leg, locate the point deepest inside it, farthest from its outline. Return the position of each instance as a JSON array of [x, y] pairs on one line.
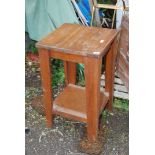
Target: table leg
[[92, 79], [70, 72], [46, 84], [110, 73]]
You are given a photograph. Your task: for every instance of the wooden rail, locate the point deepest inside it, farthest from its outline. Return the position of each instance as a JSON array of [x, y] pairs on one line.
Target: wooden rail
[[108, 6], [120, 90], [113, 7]]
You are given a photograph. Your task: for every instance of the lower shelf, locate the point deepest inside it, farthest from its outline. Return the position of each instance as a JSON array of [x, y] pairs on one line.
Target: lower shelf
[[71, 103]]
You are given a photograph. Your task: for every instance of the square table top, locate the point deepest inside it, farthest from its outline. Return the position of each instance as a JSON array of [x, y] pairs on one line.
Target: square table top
[[79, 40]]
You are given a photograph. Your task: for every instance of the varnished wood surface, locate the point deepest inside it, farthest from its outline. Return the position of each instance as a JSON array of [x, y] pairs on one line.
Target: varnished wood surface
[[79, 44], [46, 84], [110, 72], [79, 40], [93, 96], [67, 57], [71, 103], [70, 72]]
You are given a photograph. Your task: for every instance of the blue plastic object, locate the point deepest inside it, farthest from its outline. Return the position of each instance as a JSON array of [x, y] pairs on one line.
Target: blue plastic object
[[85, 9]]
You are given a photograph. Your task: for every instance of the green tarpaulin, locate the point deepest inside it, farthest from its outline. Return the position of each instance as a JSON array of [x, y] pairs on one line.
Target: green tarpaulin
[[44, 16]]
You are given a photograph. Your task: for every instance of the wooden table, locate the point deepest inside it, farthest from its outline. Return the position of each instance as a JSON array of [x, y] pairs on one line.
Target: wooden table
[[74, 44]]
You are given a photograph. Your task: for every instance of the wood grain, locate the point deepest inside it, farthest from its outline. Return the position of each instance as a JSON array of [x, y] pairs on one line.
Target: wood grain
[[92, 78], [46, 84], [70, 72], [110, 72], [79, 40], [73, 44], [71, 103]]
